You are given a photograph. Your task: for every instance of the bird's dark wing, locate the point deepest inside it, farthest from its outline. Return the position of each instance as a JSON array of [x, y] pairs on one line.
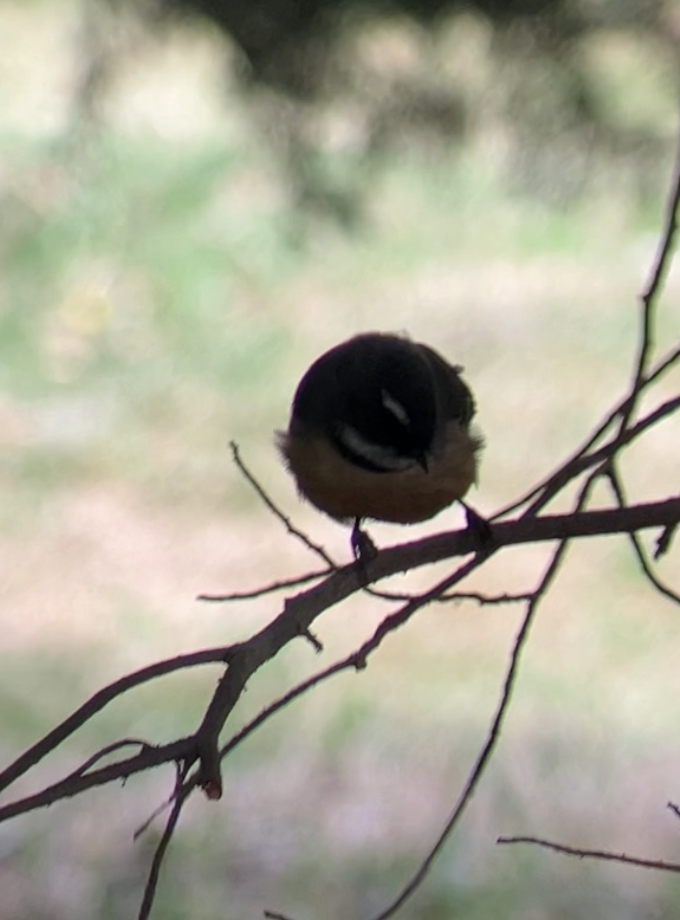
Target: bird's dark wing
[[456, 400]]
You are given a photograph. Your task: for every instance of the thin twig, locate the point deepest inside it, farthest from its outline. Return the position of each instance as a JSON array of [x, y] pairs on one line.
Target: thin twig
[[674, 808], [488, 600], [272, 588], [456, 596], [276, 511], [636, 542], [157, 862], [156, 813], [605, 855], [659, 272], [105, 751], [648, 300]]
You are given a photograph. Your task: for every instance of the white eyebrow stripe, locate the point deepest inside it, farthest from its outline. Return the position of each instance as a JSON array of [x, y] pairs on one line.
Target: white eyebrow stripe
[[385, 458], [395, 407]]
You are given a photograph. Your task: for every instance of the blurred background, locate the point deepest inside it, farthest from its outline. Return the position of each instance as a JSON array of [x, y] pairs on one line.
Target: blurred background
[[196, 199]]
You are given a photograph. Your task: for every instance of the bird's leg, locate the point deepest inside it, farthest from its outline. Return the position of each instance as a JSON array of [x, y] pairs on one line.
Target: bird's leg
[[478, 526], [363, 547]]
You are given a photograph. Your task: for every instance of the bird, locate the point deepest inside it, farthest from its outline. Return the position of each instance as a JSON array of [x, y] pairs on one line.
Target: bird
[[380, 428]]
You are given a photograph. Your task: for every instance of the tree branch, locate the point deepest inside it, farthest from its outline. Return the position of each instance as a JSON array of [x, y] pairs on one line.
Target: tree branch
[[294, 621], [99, 700], [605, 855], [154, 873]]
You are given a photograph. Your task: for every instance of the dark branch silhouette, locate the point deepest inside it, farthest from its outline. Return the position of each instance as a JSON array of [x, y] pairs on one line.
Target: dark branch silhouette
[[605, 855], [198, 757], [294, 621]]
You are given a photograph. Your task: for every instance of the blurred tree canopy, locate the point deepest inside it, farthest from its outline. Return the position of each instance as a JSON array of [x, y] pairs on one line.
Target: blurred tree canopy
[[557, 92], [287, 42]]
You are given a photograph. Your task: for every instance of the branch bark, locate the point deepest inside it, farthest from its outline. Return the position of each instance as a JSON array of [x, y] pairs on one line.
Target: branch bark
[[294, 621]]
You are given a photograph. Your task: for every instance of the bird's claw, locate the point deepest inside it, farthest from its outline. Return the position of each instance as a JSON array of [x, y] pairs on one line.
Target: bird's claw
[[363, 547], [478, 526]]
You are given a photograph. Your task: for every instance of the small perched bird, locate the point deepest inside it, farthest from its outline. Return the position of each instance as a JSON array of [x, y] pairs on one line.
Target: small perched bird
[[380, 428]]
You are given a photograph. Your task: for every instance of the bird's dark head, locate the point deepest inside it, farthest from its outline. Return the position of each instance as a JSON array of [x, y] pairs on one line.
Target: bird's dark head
[[374, 397]]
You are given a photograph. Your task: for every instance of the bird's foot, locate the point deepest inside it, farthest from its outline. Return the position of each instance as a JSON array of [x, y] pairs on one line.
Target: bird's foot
[[363, 547], [479, 527]]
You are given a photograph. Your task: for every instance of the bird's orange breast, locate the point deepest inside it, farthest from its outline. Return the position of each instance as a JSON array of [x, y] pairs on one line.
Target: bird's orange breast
[[345, 491]]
